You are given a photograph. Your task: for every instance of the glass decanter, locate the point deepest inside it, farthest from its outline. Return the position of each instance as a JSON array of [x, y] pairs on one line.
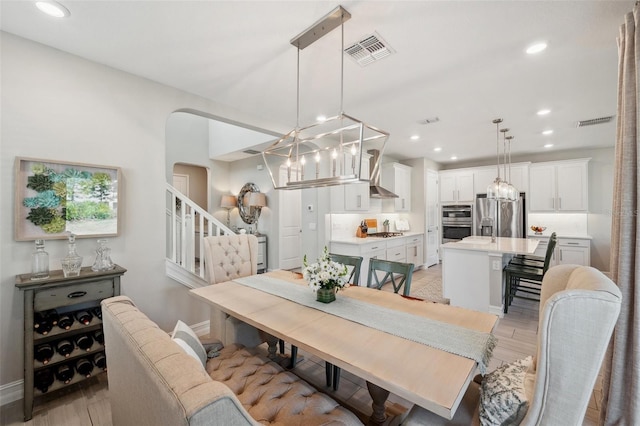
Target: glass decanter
[[103, 257], [72, 262], [39, 262]]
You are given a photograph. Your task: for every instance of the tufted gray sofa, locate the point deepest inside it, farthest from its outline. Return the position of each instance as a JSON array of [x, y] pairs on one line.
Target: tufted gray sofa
[[152, 381]]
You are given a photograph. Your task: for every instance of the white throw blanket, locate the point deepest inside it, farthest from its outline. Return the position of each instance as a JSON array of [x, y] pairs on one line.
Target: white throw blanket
[[454, 339]]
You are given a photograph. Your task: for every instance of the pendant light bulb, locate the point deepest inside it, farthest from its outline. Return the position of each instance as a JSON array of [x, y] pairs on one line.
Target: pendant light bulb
[[493, 190]]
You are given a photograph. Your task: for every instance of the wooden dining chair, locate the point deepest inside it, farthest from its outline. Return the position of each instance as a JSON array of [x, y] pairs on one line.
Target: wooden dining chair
[[355, 262], [393, 271], [332, 372], [536, 261], [526, 278]]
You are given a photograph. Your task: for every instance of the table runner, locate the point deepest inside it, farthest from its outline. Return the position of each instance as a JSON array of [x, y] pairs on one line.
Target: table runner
[[454, 339]]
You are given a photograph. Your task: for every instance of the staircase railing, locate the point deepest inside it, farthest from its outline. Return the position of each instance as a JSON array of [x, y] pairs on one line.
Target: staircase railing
[[187, 226]]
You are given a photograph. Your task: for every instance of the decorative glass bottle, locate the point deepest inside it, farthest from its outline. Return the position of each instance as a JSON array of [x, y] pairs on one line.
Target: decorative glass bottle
[[39, 262], [103, 257], [72, 262]]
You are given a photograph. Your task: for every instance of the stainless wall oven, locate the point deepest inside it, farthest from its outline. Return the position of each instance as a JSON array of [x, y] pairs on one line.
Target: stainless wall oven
[[457, 222]]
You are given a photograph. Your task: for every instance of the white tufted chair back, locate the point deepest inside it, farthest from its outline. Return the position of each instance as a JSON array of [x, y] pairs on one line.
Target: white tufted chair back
[[230, 256]]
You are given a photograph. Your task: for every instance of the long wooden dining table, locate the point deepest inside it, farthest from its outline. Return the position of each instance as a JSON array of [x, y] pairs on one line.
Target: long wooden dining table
[[430, 378]]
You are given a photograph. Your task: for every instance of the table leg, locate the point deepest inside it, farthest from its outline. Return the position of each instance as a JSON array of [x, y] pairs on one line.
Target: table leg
[[379, 397]]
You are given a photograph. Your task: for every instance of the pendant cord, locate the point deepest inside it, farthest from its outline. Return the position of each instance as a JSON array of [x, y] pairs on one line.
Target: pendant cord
[[298, 91], [342, 66]]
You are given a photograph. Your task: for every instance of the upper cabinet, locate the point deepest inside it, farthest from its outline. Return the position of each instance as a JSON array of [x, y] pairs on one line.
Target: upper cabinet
[[559, 186], [396, 177], [484, 176], [456, 186], [353, 196]]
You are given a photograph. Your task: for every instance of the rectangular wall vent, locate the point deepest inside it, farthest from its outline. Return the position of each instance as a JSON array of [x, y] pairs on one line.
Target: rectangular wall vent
[[251, 151], [594, 121], [369, 49]]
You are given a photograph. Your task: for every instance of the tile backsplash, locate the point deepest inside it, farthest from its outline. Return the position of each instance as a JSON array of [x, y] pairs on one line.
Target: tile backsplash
[[340, 226], [566, 224]]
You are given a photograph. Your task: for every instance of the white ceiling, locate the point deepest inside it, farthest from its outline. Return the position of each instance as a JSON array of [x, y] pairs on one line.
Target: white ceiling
[[462, 61]]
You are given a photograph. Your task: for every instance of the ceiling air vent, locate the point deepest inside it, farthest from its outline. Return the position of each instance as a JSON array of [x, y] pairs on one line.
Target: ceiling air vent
[[593, 121], [368, 50], [251, 151], [429, 120]]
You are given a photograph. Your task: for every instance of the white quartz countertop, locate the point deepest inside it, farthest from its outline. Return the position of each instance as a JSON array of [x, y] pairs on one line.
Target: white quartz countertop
[[548, 234], [360, 241], [501, 245]]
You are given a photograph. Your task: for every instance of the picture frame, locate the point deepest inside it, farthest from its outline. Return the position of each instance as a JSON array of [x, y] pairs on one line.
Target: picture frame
[[56, 198]]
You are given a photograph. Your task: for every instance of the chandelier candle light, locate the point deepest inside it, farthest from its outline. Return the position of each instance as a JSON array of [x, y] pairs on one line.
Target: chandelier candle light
[[334, 143]]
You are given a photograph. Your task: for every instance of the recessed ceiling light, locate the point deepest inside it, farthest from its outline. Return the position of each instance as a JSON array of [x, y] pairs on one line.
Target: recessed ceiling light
[[53, 8], [548, 145], [415, 137], [543, 112], [437, 149], [453, 157], [321, 118], [547, 132], [536, 48]]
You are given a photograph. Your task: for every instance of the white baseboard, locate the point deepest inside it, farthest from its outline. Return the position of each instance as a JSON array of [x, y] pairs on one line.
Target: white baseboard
[[497, 310], [201, 328], [11, 392]]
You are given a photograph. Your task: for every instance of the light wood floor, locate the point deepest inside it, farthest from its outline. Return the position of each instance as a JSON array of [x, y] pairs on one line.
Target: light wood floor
[[87, 403]]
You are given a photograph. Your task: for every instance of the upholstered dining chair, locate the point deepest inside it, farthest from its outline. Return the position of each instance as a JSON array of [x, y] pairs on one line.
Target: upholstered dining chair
[[526, 277], [227, 257], [578, 311], [392, 271]]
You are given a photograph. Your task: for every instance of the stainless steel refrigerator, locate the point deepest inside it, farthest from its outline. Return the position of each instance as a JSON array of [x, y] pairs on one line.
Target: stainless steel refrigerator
[[509, 221]]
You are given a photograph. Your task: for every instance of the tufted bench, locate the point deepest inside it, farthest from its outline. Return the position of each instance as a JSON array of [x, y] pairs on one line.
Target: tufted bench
[[152, 381]]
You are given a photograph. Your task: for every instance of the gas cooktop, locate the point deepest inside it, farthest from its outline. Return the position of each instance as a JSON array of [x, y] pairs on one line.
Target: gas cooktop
[[386, 234]]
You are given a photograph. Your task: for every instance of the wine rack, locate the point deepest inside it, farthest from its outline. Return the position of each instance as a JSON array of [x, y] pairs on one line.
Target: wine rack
[[54, 297]]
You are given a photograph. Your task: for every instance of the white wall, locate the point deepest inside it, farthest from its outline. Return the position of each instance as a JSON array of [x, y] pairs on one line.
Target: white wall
[[58, 106]]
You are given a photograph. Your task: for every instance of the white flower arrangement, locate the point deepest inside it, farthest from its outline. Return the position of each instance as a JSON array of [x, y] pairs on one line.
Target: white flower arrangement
[[325, 273]]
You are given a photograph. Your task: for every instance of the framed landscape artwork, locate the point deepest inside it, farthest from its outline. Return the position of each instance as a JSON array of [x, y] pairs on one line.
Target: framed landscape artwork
[[55, 198]]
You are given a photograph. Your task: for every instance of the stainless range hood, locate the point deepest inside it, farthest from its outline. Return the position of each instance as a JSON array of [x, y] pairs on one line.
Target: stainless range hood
[[375, 189]]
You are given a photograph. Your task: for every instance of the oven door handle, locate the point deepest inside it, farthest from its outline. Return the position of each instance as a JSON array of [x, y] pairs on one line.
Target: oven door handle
[[457, 226]]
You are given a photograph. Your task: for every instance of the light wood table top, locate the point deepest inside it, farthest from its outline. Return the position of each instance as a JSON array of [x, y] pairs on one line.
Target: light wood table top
[[431, 378]]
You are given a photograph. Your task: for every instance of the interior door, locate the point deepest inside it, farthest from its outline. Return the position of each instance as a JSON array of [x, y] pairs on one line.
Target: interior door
[[432, 215], [290, 215]]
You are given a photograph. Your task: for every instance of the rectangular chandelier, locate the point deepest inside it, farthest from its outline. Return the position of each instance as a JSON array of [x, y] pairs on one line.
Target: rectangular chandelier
[[324, 154], [329, 152]]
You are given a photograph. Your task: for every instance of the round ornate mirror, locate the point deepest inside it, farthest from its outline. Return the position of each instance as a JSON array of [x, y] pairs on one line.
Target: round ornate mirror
[[248, 214]]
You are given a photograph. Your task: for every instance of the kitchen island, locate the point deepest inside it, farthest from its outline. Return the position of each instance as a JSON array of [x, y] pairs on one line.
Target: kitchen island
[[472, 270]]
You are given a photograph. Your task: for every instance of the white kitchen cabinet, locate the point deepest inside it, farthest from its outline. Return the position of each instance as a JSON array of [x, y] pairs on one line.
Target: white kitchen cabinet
[[559, 186], [397, 250], [353, 196], [576, 251], [414, 248], [573, 251], [456, 186], [396, 177], [484, 176], [376, 249]]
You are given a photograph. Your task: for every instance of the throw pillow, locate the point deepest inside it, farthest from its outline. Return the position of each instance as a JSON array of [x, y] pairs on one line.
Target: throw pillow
[[503, 400], [184, 336]]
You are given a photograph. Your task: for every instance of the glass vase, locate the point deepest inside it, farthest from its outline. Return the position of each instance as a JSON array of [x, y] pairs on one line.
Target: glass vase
[[72, 262], [103, 257], [326, 295], [39, 262]]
